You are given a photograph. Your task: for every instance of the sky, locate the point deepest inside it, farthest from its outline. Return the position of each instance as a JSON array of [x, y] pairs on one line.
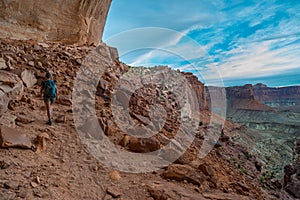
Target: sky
[[223, 42]]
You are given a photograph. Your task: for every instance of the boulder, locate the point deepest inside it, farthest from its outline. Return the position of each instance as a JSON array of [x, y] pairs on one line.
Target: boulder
[[206, 169], [28, 78], [61, 119], [114, 192], [40, 76], [122, 98], [289, 170], [40, 142], [91, 129], [24, 119], [224, 196], [293, 187], [10, 137], [102, 86], [11, 85], [4, 100], [166, 191], [9, 63], [107, 126], [2, 64], [292, 178], [114, 53], [4, 164], [8, 120], [65, 100], [140, 145], [12, 105], [31, 63], [184, 172], [114, 175]]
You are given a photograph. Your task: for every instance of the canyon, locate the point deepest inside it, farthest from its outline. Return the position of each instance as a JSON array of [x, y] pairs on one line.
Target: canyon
[[98, 116], [273, 113]]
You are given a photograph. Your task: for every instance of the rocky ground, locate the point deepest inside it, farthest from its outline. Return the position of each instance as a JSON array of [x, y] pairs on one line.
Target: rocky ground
[[56, 163]]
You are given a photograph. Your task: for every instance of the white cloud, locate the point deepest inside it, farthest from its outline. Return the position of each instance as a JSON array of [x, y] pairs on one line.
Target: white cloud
[[145, 58], [258, 60], [169, 47]]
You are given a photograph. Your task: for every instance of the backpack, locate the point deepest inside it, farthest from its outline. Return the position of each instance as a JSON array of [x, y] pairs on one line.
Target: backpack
[[50, 89]]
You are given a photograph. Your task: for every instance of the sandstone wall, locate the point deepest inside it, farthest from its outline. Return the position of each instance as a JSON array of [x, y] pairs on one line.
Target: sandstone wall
[[238, 97], [66, 21], [199, 90], [241, 92], [278, 97]]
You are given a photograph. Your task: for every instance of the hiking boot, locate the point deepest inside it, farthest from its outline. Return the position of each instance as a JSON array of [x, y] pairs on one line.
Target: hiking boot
[[49, 122]]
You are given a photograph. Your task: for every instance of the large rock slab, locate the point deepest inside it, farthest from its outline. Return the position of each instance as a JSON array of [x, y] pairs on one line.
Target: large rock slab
[[10, 84], [184, 173], [293, 187], [224, 196], [70, 21], [3, 102], [91, 129], [10, 137], [65, 100], [11, 87], [28, 78], [2, 64], [166, 191], [8, 119], [140, 145]]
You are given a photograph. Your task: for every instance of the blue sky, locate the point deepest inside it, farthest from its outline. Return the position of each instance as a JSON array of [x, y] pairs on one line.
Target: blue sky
[[236, 41]]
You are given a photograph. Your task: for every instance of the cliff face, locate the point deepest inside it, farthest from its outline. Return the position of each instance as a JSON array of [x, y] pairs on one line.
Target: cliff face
[[241, 92], [199, 90], [65, 21], [261, 97], [238, 98], [242, 97], [285, 97]]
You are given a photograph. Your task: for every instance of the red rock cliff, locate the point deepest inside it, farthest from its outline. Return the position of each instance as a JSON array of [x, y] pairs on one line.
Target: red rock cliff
[[278, 97], [65, 21]]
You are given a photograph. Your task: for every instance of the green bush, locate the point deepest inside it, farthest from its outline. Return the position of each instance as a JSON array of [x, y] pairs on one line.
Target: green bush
[[262, 179], [248, 155]]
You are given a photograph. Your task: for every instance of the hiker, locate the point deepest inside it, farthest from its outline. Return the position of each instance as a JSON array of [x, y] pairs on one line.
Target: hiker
[[49, 92]]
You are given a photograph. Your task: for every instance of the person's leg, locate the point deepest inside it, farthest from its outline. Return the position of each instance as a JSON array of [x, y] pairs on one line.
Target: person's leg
[[52, 100], [48, 107]]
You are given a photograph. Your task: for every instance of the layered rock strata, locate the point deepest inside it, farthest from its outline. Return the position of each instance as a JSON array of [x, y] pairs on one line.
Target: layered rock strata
[[69, 21]]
